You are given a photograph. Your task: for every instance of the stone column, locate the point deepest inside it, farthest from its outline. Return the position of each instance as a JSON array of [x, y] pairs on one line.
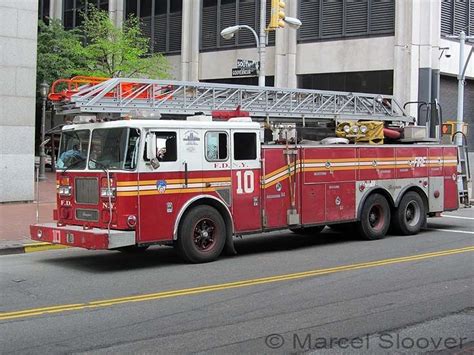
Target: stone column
[[416, 53], [190, 40], [56, 9], [116, 12], [285, 50], [18, 41]]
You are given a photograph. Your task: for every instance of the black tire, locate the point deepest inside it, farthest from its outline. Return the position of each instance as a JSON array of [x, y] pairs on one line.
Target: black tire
[[133, 249], [308, 231], [202, 235], [374, 218], [410, 215]]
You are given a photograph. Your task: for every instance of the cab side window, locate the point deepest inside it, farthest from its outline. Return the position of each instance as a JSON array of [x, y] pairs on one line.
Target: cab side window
[[217, 146], [166, 146], [245, 146]]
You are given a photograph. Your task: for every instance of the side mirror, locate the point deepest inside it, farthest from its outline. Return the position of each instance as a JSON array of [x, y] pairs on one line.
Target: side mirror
[[151, 151]]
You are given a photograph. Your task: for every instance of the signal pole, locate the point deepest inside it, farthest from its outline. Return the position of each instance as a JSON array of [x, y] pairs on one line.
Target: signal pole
[[263, 40]]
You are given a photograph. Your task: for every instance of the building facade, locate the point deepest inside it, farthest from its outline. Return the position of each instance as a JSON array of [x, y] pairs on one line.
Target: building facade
[[18, 34], [379, 46]]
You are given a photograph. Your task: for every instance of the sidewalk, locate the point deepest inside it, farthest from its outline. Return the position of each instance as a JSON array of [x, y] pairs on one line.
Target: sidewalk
[[16, 217]]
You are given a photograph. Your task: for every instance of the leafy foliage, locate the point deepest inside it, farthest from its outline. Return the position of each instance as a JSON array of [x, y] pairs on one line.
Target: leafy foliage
[[98, 48], [60, 52], [114, 52]]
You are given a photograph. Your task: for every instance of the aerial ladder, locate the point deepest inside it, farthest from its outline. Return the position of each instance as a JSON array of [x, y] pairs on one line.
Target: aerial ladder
[[122, 96]]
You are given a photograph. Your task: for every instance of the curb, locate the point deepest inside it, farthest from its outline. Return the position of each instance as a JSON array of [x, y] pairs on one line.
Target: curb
[[29, 248]]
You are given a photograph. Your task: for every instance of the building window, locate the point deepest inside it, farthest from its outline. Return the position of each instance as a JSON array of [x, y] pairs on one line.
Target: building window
[[457, 16], [43, 10], [219, 14], [329, 19], [73, 11], [161, 22], [373, 82]]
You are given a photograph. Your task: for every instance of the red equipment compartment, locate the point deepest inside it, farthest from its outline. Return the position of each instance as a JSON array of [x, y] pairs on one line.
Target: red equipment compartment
[[276, 188], [411, 162], [435, 161], [377, 163], [340, 201], [451, 198], [312, 197], [329, 164]]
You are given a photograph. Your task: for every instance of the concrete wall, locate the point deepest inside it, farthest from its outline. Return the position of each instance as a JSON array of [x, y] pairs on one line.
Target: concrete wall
[[449, 101], [18, 26]]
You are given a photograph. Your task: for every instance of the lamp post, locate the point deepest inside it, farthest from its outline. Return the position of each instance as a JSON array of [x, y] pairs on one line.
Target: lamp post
[[229, 32], [461, 75], [44, 88]]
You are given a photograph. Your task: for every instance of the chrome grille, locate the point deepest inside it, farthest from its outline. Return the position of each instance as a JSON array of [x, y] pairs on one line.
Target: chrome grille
[[87, 191]]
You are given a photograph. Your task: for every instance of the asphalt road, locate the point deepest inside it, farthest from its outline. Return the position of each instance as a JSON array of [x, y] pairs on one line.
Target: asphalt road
[[282, 293]]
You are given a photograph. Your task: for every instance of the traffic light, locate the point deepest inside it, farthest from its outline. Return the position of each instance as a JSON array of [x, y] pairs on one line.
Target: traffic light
[[277, 15]]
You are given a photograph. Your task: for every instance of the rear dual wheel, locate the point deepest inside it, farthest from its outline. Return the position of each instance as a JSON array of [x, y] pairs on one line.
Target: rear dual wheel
[[410, 215], [375, 217]]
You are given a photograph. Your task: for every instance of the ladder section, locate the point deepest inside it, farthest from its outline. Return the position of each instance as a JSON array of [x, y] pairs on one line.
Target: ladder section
[[464, 176], [123, 95]]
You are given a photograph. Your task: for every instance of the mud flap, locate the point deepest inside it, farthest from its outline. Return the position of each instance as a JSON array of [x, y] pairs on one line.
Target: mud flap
[[229, 248]]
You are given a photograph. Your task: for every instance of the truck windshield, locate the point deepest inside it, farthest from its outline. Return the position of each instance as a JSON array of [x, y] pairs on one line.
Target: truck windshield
[[114, 148], [73, 149]]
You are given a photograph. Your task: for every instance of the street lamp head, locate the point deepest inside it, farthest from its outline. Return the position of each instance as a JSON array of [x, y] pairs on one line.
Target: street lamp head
[[228, 32], [293, 22], [44, 88]]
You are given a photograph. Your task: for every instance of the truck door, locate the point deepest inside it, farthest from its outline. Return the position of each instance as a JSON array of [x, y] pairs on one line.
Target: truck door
[[246, 201], [163, 190]]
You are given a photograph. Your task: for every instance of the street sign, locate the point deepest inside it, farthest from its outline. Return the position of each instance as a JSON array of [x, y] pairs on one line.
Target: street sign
[[246, 67], [246, 63], [244, 71]]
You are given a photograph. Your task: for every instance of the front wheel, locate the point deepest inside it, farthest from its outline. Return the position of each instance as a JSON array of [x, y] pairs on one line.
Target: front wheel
[[202, 235], [410, 215], [375, 217]]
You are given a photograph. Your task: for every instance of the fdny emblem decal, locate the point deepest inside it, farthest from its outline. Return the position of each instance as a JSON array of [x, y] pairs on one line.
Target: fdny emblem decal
[[191, 137], [161, 186]]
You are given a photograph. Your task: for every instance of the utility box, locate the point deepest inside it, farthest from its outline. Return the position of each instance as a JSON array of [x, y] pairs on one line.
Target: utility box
[[415, 132]]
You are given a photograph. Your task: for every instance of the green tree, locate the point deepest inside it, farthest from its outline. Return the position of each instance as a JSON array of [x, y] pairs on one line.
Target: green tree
[[119, 52], [97, 48], [60, 52]]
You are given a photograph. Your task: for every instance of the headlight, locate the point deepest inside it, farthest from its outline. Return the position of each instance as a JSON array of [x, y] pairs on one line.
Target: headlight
[[355, 129], [39, 234], [347, 128], [363, 129], [65, 190]]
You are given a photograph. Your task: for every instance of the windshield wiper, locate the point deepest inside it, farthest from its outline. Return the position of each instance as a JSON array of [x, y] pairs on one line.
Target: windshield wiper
[[100, 165], [80, 160]]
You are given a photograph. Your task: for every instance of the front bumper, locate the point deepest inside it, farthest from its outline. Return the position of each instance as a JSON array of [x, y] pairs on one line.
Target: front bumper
[[77, 236]]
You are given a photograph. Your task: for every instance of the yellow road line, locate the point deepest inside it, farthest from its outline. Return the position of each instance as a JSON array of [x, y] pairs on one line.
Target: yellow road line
[[225, 286]]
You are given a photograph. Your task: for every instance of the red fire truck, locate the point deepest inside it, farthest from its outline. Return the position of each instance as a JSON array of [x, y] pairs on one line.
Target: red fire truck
[[125, 183]]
